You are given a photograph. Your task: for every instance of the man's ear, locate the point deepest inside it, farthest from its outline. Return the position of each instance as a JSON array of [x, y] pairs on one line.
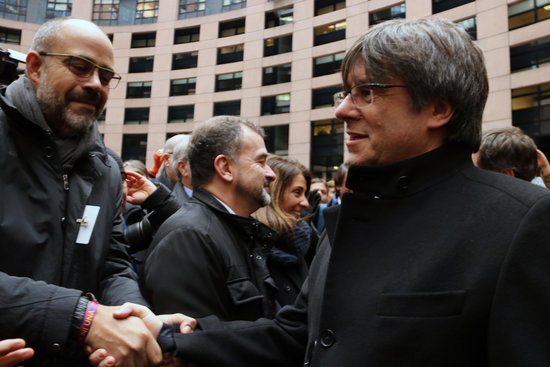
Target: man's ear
[[441, 113], [35, 67], [508, 172], [222, 165]]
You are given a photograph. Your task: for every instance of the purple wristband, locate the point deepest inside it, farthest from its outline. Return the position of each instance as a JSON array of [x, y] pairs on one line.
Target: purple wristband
[[87, 322]]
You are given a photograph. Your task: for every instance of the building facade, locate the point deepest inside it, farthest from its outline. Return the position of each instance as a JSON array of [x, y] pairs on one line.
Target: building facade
[[277, 63]]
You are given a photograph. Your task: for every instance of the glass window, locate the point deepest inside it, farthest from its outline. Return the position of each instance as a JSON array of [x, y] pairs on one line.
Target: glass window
[[327, 146], [8, 35], [469, 26], [528, 12], [232, 108], [327, 6], [531, 55], [228, 5], [323, 97], [276, 139], [181, 113], [136, 116], [143, 39], [279, 17], [182, 87], [138, 90], [231, 28], [230, 54], [531, 113], [279, 45], [231, 81], [186, 35], [13, 9], [105, 12], [147, 11], [185, 60], [395, 12], [58, 8], [329, 64], [273, 105], [141, 64], [329, 33], [276, 74], [191, 8], [134, 146], [442, 5]]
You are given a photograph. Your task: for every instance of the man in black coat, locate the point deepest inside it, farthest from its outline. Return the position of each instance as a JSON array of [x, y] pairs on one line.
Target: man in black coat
[[429, 261], [60, 196]]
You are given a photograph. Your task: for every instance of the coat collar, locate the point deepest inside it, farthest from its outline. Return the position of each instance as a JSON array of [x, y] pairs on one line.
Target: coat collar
[[410, 176]]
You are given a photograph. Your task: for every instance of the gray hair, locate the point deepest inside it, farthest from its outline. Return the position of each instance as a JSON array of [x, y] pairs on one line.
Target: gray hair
[[217, 135], [180, 154], [47, 35], [437, 60]]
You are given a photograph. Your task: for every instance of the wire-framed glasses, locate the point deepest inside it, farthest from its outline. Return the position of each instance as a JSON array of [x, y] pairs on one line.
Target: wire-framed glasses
[[84, 68], [362, 95]]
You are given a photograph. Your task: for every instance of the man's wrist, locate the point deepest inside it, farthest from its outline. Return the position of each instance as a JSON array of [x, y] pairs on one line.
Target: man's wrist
[[83, 315], [165, 338]]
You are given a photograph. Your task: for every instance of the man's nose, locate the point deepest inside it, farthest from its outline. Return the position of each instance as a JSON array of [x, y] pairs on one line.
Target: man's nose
[[269, 174]]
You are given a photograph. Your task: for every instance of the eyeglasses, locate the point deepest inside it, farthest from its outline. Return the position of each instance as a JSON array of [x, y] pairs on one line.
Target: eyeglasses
[[84, 68], [362, 95]]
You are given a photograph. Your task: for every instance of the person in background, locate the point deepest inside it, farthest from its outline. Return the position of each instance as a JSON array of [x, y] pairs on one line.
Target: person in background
[[544, 168], [320, 185], [167, 175], [183, 189], [339, 185], [294, 246], [137, 166]]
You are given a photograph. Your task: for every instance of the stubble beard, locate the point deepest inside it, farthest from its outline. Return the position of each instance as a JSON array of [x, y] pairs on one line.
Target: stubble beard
[[260, 196]]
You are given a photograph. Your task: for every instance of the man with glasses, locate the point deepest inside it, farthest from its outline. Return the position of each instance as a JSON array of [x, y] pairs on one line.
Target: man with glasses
[[60, 200], [429, 261]]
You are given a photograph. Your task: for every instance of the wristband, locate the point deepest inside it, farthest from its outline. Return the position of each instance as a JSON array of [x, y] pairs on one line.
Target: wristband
[[87, 321]]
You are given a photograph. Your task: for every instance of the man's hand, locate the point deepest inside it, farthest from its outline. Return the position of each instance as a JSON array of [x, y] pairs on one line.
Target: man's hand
[[139, 188], [13, 352], [123, 342]]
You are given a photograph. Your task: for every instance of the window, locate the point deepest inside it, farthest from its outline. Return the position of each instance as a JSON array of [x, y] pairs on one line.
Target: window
[[58, 8], [469, 26], [185, 60], [276, 104], [531, 113], [231, 28], [105, 12], [442, 5], [186, 35], [136, 116], [228, 5], [13, 9], [329, 33], [322, 98], [229, 81], [327, 6], [232, 108], [330, 64], [531, 55], [276, 74], [279, 45], [182, 87], [528, 12], [191, 8], [327, 146], [147, 11], [230, 54], [276, 139], [101, 117], [279, 17], [8, 35], [141, 64], [181, 113], [397, 11], [143, 39], [134, 146], [138, 90]]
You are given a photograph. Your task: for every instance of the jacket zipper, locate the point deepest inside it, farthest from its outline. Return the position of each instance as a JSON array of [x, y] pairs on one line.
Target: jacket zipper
[[66, 182]]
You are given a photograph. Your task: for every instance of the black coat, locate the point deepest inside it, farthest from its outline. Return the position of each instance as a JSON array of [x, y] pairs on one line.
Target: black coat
[[430, 262], [205, 261], [43, 271]]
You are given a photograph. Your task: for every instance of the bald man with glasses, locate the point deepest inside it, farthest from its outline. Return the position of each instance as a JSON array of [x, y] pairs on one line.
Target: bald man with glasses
[[60, 198]]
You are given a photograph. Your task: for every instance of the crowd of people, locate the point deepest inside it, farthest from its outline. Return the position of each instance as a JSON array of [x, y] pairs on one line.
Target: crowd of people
[[415, 253]]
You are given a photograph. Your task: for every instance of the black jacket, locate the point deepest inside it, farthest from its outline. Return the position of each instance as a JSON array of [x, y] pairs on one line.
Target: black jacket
[[429, 262], [43, 271], [206, 261]]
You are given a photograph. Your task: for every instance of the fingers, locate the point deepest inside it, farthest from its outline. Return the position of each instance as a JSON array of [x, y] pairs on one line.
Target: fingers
[[13, 352], [187, 324], [132, 309], [101, 358]]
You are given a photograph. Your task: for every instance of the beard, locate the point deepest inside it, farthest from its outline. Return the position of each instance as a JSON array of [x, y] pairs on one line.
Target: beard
[[259, 195], [61, 119]]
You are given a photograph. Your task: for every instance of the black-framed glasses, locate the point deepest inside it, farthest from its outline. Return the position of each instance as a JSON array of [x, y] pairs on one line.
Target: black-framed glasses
[[362, 95], [84, 68]]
